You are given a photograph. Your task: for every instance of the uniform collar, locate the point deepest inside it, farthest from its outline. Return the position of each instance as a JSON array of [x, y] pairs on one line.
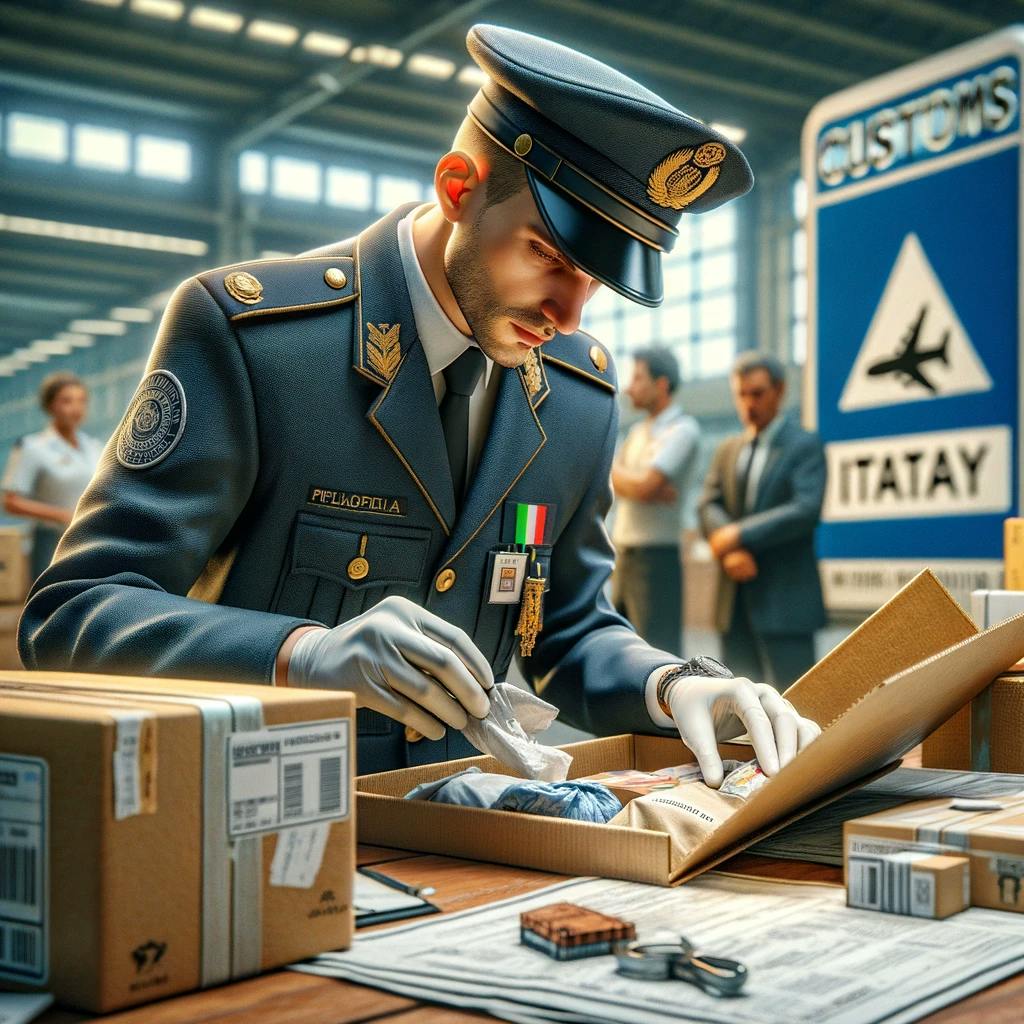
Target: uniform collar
[[442, 341]]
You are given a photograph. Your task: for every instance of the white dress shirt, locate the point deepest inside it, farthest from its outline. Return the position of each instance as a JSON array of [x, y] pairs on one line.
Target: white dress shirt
[[443, 342]]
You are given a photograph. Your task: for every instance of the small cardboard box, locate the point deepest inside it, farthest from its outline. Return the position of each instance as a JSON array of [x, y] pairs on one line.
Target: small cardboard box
[[993, 840], [908, 882], [13, 566], [159, 836], [907, 669]]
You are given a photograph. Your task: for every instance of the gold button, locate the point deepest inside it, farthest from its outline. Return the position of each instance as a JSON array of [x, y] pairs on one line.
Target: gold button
[[358, 568], [243, 287], [523, 145], [598, 358], [445, 581], [411, 735], [335, 278]]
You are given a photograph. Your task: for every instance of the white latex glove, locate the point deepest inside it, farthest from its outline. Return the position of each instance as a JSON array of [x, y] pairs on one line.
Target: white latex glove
[[401, 660], [707, 710]]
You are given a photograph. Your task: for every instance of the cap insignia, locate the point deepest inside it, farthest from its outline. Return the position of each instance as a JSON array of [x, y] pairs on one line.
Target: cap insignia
[[685, 175]]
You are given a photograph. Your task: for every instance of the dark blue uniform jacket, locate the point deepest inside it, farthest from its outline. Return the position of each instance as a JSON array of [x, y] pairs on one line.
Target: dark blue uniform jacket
[[301, 438]]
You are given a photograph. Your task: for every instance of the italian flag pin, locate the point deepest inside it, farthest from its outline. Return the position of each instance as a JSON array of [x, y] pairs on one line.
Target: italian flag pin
[[527, 523]]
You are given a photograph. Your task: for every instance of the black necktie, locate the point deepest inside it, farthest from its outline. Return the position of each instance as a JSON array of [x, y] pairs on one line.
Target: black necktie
[[744, 480], [460, 378]]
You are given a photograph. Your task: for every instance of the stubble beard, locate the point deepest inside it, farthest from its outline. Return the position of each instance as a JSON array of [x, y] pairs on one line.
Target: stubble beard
[[474, 291]]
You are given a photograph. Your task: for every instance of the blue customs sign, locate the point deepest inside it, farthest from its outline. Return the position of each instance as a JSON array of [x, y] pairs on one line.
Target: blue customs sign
[[914, 327], [154, 422]]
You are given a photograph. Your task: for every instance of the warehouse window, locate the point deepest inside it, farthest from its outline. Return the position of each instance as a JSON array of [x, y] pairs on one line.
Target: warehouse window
[[349, 187], [252, 172], [798, 276], [394, 191], [105, 149], [697, 320], [40, 138], [296, 179], [157, 157]]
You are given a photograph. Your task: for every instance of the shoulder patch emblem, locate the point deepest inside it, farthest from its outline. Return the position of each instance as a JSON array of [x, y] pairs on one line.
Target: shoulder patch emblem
[[383, 348], [243, 287], [680, 178], [154, 422]]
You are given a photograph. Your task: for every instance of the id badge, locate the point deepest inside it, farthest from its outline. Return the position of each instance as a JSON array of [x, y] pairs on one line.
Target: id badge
[[507, 577]]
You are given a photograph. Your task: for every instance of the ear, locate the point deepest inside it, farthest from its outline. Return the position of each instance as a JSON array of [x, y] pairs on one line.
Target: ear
[[456, 180]]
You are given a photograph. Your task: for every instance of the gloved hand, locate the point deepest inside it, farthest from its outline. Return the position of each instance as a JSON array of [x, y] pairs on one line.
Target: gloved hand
[[401, 660], [707, 710]]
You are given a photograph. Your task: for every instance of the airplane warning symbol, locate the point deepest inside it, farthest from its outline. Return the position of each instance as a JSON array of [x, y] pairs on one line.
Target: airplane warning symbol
[[915, 348]]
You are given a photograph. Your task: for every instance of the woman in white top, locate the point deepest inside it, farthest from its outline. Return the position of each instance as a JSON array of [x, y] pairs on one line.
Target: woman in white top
[[48, 471]]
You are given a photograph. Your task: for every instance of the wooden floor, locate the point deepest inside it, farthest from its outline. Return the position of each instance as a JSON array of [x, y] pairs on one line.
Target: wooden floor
[[285, 997]]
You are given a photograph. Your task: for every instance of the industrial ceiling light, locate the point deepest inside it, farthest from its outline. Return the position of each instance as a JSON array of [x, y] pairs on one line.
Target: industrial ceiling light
[[730, 131], [326, 45], [98, 327], [102, 236], [132, 314], [168, 10], [430, 66], [277, 33], [215, 19], [75, 340], [382, 56], [471, 75]]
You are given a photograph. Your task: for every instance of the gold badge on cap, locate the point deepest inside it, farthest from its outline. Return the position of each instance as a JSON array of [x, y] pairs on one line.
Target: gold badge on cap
[[523, 144], [383, 348], [599, 358], [685, 175], [243, 287]]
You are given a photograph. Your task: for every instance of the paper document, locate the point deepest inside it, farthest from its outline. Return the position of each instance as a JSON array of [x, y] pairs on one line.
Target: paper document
[[811, 959], [819, 836]]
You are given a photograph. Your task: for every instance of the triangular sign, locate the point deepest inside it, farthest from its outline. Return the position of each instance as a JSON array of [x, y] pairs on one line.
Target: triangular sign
[[915, 348]]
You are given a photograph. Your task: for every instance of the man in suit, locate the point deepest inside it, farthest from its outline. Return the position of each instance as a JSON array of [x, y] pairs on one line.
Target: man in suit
[[759, 508], [358, 469]]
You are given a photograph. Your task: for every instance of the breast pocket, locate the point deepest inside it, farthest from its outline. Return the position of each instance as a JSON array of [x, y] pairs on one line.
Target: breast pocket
[[336, 569]]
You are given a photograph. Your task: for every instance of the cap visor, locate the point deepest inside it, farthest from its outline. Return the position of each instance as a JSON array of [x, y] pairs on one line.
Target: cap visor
[[597, 246]]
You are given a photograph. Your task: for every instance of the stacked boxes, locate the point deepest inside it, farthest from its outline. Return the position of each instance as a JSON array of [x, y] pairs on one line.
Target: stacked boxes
[[989, 834]]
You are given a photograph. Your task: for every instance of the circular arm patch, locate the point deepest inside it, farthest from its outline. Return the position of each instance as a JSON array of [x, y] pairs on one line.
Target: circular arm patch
[[154, 422]]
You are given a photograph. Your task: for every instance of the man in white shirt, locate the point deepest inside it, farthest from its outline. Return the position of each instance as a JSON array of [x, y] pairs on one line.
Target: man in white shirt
[[651, 477]]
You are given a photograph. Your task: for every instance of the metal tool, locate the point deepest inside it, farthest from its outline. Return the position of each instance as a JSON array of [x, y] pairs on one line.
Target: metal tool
[[661, 961]]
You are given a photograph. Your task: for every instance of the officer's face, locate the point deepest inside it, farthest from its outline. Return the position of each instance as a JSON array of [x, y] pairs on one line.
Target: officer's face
[[514, 287], [757, 398], [69, 406]]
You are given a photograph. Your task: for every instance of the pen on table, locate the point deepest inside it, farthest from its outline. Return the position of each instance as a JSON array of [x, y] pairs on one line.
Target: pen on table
[[412, 890]]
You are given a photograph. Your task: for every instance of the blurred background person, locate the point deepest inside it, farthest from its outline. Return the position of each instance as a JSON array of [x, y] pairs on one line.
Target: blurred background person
[[651, 476], [48, 471], [759, 508]]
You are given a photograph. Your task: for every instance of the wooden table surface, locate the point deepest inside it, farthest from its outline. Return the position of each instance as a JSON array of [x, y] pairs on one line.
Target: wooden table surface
[[286, 997]]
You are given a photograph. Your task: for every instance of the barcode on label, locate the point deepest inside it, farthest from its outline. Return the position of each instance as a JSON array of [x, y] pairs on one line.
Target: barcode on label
[[18, 866], [293, 790], [330, 784], [20, 947]]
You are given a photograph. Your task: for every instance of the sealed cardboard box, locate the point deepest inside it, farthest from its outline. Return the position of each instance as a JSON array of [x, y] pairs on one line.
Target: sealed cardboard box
[[1013, 553], [907, 669], [989, 834], [13, 566], [158, 836], [909, 882]]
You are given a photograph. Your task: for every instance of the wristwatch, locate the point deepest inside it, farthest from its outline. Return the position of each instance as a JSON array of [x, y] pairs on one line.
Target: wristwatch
[[702, 665]]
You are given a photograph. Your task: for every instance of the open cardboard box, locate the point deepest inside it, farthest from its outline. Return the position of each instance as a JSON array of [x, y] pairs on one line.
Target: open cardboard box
[[894, 680]]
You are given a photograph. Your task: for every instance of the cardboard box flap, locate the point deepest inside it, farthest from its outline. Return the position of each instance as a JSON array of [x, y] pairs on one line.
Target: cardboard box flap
[[878, 729], [880, 647]]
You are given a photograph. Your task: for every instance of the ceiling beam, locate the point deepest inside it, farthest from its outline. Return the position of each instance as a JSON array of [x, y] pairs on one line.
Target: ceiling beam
[[825, 30], [49, 282], [935, 15], [664, 31]]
